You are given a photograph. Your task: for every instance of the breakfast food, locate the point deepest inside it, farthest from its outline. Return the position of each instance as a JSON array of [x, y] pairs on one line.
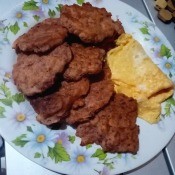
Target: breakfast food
[[113, 127], [69, 81], [91, 24], [165, 15], [42, 37], [34, 73], [56, 106], [98, 96], [135, 75], [86, 60], [166, 10]]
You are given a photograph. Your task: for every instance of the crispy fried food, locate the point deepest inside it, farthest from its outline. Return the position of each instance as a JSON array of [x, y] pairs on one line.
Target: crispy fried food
[[86, 60], [42, 37], [113, 127], [105, 74], [54, 107], [34, 74], [98, 96], [90, 23], [110, 42]]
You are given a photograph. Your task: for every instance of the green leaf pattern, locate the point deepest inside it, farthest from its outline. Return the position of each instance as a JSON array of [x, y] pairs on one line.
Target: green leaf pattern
[[72, 139], [2, 110], [30, 5], [19, 141], [99, 154], [165, 51], [58, 153], [7, 98], [14, 28]]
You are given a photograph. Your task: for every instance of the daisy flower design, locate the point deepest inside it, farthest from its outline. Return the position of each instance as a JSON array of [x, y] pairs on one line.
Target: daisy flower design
[[19, 115], [7, 75], [82, 162], [156, 53], [38, 13], [45, 5], [154, 38], [62, 138], [18, 15], [105, 171], [40, 139], [167, 65]]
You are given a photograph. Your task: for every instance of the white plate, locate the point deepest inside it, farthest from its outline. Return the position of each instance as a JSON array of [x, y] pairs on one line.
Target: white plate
[[22, 132]]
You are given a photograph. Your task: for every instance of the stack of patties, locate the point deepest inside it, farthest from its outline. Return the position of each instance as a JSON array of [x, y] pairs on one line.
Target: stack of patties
[[66, 79]]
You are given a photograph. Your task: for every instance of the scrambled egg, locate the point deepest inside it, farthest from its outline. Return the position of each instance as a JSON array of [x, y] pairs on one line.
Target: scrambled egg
[[135, 75]]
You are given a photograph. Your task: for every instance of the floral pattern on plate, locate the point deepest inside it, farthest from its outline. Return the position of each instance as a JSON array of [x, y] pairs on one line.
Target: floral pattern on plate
[[60, 150]]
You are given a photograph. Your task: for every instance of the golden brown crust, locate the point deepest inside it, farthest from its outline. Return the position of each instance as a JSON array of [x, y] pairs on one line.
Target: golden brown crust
[[42, 37], [54, 107], [86, 60], [98, 96], [34, 74], [113, 127], [90, 23]]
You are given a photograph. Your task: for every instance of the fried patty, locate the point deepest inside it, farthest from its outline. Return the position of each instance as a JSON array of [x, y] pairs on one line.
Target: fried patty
[[86, 60], [56, 106], [42, 37], [91, 24], [34, 74], [98, 96], [113, 127]]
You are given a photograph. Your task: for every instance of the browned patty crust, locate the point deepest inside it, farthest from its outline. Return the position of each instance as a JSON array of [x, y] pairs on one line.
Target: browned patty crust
[[90, 23], [42, 37], [34, 74], [113, 127], [54, 107], [98, 96], [86, 60]]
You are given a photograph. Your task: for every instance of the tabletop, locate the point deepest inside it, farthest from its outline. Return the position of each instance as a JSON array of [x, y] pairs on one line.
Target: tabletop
[[163, 164]]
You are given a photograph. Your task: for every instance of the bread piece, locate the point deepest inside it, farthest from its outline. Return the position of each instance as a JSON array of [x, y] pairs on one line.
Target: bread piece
[[160, 4], [165, 15], [170, 6]]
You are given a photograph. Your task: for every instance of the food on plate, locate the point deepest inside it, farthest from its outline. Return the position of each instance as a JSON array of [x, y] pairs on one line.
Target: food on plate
[[34, 74], [114, 127], [64, 75], [99, 95], [56, 106], [42, 37], [135, 75], [90, 24], [86, 60]]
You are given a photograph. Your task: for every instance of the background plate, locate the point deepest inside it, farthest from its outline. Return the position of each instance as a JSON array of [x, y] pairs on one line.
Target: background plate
[[22, 135]]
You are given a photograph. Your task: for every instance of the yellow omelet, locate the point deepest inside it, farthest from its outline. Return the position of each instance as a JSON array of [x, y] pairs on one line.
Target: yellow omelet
[[135, 75]]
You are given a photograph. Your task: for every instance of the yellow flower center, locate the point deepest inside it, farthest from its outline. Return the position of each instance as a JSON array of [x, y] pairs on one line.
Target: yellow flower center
[[45, 1], [156, 39], [168, 65], [41, 138], [8, 75], [80, 158], [19, 15], [20, 117], [60, 141]]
